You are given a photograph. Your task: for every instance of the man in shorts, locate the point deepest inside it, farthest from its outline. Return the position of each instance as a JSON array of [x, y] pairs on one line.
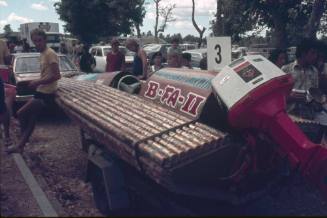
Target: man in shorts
[[45, 88]]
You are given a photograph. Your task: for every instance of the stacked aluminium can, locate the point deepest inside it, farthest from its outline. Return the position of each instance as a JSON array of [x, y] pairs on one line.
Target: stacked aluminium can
[[153, 139]]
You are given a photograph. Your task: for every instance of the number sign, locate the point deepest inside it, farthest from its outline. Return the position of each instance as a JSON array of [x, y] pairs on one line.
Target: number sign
[[219, 52]]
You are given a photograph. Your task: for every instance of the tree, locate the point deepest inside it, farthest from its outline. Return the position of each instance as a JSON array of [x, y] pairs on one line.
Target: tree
[[138, 15], [90, 20], [176, 36], [318, 9], [149, 33], [231, 19], [190, 38], [273, 14], [201, 32], [7, 30], [287, 19], [218, 23], [166, 14]]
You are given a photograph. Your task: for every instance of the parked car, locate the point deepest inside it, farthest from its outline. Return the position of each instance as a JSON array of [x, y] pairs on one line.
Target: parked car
[[150, 49], [239, 52], [185, 47], [260, 49], [100, 54], [26, 67], [196, 56]]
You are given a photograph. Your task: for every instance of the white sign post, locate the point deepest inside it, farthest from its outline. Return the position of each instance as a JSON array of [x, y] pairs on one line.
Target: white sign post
[[219, 51]]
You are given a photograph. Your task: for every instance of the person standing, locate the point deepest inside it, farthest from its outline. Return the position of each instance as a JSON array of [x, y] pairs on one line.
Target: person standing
[[174, 60], [4, 53], [278, 57], [186, 61], [322, 66], [87, 62], [140, 64], [7, 98], [304, 72], [7, 92], [174, 50], [115, 58], [5, 58], [157, 60], [4, 114], [19, 47], [26, 46], [45, 87], [305, 76], [203, 63]]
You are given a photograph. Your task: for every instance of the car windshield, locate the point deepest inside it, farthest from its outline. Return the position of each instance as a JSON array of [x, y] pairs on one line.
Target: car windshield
[[27, 65], [32, 64], [65, 64]]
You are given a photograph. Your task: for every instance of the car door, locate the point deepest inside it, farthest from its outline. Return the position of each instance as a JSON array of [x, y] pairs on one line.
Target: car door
[[99, 59]]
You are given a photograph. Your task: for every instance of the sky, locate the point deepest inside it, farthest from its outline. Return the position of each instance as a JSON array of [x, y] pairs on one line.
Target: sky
[[15, 12]]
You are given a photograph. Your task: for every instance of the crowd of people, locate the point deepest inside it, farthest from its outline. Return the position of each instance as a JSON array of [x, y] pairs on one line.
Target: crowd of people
[[18, 46], [141, 68], [309, 70]]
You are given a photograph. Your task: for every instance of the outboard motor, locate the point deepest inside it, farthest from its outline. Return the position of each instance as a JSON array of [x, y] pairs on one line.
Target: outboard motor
[[253, 92]]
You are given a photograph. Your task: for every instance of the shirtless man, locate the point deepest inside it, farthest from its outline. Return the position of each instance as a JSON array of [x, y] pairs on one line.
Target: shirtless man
[[140, 64]]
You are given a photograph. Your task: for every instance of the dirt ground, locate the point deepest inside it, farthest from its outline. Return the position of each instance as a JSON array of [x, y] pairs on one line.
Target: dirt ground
[[55, 157], [53, 154], [15, 198]]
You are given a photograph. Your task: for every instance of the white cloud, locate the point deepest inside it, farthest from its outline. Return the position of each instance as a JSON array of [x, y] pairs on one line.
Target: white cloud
[[54, 0], [150, 16], [184, 8], [39, 6], [13, 17], [181, 24], [183, 11], [3, 3], [3, 23]]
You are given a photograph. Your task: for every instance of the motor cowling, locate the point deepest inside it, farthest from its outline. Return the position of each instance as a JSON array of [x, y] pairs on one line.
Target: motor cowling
[[254, 91]]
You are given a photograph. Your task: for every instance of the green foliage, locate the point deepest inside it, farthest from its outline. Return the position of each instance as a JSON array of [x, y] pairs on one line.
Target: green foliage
[[7, 30], [285, 18], [190, 38], [91, 20]]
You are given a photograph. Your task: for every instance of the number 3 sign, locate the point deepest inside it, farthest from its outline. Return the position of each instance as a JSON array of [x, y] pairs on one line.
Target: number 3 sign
[[219, 52]]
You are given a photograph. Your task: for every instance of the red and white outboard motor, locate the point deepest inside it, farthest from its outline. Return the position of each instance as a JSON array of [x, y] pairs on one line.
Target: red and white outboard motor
[[253, 91]]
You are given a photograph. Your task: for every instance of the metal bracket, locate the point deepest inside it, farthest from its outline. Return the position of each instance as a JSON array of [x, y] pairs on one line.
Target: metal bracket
[[112, 176]]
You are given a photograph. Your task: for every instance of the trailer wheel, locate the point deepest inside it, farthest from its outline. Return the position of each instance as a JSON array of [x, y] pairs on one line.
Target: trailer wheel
[[99, 192]]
